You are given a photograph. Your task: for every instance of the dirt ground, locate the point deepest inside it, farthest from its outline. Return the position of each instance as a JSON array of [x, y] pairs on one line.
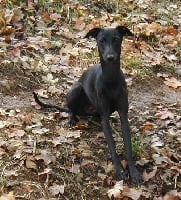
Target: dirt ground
[[142, 95], [80, 166], [42, 49]]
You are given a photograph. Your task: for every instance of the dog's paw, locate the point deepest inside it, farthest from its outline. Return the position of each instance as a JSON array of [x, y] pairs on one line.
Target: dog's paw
[[135, 176], [72, 121], [120, 175]]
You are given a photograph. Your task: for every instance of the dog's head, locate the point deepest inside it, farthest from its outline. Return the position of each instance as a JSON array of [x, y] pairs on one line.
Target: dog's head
[[109, 41]]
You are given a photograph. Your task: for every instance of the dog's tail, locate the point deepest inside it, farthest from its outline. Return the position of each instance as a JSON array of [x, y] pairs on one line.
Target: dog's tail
[[44, 105]]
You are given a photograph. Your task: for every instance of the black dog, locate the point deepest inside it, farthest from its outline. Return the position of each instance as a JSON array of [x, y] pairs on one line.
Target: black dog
[[102, 90]]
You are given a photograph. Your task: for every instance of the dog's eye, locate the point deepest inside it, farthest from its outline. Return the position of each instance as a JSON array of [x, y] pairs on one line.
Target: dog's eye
[[102, 40]]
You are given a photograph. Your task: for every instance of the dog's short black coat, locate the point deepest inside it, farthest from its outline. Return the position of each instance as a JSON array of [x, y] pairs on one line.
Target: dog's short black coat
[[100, 91]]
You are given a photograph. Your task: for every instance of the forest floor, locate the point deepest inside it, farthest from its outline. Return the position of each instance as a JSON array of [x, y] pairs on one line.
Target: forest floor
[[42, 49]]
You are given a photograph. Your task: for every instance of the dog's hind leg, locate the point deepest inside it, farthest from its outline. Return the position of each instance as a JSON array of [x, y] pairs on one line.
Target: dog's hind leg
[[72, 102], [77, 102]]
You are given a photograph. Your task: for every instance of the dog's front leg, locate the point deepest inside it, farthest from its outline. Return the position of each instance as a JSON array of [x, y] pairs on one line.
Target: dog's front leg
[[120, 174], [135, 175]]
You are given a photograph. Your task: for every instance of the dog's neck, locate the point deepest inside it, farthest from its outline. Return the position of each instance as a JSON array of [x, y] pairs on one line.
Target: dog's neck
[[110, 70]]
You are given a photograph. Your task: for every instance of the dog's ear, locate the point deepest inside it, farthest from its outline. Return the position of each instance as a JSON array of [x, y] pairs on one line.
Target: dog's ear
[[124, 31], [93, 33]]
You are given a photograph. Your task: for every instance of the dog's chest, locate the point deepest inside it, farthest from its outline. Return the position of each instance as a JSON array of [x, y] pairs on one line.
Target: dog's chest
[[112, 93]]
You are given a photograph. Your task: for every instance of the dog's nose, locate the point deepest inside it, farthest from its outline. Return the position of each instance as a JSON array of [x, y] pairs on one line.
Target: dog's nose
[[110, 57]]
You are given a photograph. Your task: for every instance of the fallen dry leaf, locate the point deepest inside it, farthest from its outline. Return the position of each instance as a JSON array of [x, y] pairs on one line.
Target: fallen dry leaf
[[172, 31], [2, 152], [150, 175], [132, 193], [30, 163], [46, 156], [17, 15], [81, 125], [56, 16], [167, 115], [73, 134], [119, 191], [75, 169], [9, 173], [108, 166], [40, 131], [2, 124], [46, 171], [153, 28], [2, 22], [28, 188], [46, 17], [172, 195], [156, 143], [102, 176], [79, 24], [8, 196], [159, 159], [172, 82], [148, 126], [115, 192], [49, 79], [142, 161], [15, 145], [59, 140], [17, 133], [56, 189]]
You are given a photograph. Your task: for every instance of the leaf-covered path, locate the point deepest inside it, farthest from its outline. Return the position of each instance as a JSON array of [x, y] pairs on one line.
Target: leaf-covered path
[[42, 49]]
